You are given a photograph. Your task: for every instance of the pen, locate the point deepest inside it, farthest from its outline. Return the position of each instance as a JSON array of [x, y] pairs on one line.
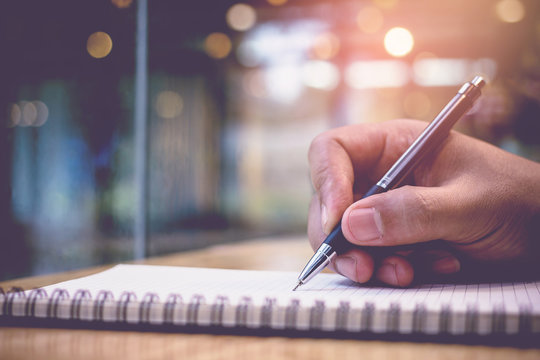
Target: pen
[[428, 141]]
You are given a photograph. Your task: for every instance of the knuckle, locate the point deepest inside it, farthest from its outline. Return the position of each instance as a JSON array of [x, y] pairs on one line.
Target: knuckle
[[423, 215], [319, 177], [319, 155], [410, 216], [319, 146]]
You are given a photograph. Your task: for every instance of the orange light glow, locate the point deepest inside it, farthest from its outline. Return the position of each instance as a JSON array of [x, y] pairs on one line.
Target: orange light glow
[[277, 2], [398, 41], [241, 17], [369, 19], [326, 46], [122, 4], [217, 45], [510, 11], [99, 45]]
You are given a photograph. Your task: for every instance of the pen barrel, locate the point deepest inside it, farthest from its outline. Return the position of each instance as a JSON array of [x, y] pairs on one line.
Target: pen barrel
[[337, 241], [433, 136]]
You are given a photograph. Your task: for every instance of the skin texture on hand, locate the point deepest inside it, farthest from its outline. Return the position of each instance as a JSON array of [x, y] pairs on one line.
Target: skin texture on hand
[[476, 206]]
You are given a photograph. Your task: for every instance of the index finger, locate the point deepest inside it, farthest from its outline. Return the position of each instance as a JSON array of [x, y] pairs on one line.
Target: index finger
[[348, 159]]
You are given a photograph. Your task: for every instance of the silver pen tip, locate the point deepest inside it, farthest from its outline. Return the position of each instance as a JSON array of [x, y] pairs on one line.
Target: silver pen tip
[[297, 285]]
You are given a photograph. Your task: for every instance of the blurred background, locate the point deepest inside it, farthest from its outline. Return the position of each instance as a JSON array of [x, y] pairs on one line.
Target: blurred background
[[187, 123]]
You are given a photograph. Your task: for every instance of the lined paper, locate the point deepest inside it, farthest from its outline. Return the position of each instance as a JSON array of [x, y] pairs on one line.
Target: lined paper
[[330, 288], [184, 296]]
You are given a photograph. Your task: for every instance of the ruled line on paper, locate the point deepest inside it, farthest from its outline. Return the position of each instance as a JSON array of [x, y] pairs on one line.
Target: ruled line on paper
[[164, 280]]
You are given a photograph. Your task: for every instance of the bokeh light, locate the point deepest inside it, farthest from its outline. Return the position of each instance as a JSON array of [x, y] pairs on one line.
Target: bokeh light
[[272, 44], [28, 113], [277, 2], [42, 113], [241, 17], [439, 72], [398, 41], [99, 44], [284, 82], [377, 74], [370, 19], [169, 104], [217, 45], [485, 67], [14, 115], [122, 4], [320, 75], [510, 11], [248, 53], [432, 71], [326, 46]]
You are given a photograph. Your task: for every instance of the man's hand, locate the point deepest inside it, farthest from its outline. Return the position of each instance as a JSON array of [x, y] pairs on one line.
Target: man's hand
[[482, 201]]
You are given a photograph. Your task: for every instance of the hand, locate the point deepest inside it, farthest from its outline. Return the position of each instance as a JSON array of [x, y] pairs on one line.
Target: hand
[[480, 201]]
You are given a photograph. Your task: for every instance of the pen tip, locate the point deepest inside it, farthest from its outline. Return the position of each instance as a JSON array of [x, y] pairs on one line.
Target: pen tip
[[297, 286]]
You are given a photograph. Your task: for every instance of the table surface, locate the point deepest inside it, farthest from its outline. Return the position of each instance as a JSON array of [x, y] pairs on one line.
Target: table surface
[[287, 254]]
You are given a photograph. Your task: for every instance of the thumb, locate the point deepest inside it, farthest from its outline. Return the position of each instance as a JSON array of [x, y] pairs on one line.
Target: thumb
[[405, 215]]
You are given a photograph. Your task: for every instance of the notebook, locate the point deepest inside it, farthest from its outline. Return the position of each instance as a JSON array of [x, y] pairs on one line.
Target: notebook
[[181, 298]]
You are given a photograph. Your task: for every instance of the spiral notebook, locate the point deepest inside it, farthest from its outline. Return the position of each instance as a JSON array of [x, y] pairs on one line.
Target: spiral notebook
[[181, 298]]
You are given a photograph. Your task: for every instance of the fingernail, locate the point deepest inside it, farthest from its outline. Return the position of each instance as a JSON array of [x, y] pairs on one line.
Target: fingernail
[[446, 265], [387, 273], [346, 266], [324, 218], [365, 225]]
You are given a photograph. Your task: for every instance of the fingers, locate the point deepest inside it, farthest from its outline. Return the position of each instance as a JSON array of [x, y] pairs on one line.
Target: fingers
[[395, 269], [346, 159], [401, 271], [332, 176], [357, 265], [405, 215], [444, 263]]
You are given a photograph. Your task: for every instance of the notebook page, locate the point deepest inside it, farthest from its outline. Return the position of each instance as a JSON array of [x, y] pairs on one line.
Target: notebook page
[[211, 283], [332, 289]]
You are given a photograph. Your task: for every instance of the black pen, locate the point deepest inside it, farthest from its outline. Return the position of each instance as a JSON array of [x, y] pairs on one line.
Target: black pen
[[428, 141]]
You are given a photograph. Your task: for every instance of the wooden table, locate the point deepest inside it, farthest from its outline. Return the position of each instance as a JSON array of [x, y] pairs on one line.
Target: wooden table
[[287, 254]]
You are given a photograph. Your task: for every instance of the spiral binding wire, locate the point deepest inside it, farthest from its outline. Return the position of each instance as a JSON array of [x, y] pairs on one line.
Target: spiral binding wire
[[198, 311]]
